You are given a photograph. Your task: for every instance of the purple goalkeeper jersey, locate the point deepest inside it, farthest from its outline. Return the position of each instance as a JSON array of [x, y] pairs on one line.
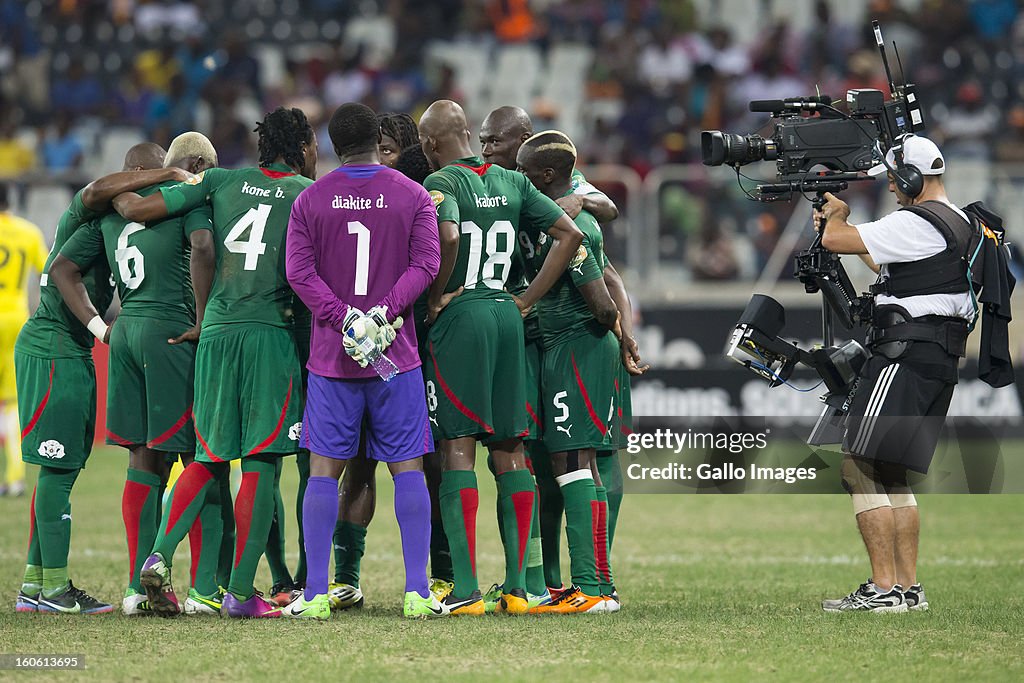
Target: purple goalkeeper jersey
[[361, 236]]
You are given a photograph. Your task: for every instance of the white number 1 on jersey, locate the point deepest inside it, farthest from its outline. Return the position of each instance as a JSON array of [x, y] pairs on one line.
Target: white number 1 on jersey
[[254, 247], [362, 234]]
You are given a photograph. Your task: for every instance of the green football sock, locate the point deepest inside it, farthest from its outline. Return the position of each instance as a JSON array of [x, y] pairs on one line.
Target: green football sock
[[604, 567], [349, 546], [302, 461], [254, 512], [460, 501], [275, 540], [611, 477], [32, 582], [139, 505], [551, 508], [187, 499], [535, 557], [516, 500], [225, 554], [206, 553], [580, 497], [53, 525]]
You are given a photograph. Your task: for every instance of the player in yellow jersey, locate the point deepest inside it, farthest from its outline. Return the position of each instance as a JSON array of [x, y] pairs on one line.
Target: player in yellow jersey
[[22, 251]]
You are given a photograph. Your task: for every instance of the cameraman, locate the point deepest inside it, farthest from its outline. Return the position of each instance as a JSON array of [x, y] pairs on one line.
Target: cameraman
[[919, 329]]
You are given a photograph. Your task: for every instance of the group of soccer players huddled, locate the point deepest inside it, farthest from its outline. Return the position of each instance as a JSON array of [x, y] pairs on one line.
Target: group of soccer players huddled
[[263, 314]]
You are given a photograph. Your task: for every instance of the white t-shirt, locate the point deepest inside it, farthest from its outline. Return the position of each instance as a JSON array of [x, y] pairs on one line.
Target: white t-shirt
[[903, 237]]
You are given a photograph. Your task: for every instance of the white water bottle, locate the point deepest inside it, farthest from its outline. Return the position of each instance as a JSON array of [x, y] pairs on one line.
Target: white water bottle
[[381, 364]]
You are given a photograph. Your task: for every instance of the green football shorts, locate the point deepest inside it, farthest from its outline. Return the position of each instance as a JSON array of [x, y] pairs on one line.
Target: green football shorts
[[475, 375], [534, 400], [578, 385], [149, 386], [57, 407], [248, 392]]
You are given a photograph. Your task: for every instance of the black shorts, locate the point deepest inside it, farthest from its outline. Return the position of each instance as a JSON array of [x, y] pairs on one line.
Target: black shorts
[[900, 407]]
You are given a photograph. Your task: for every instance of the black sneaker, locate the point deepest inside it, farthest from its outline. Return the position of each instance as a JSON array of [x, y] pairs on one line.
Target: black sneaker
[[471, 606], [915, 599], [73, 601], [868, 598]]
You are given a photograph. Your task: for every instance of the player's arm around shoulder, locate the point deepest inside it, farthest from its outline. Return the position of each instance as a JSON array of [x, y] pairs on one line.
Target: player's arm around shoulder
[[586, 197], [174, 200], [98, 194]]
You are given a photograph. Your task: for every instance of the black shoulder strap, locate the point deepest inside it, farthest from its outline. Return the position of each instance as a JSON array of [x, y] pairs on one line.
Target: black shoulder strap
[[950, 224]]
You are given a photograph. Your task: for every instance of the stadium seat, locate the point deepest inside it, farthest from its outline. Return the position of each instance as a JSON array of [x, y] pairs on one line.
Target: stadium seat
[[376, 33], [272, 66], [470, 74], [968, 180], [517, 70], [44, 205], [112, 147]]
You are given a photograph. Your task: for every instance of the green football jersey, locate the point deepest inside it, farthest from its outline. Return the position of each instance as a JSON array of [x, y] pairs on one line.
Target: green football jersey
[[150, 263], [580, 185], [491, 206], [53, 331], [251, 207], [563, 313], [520, 278]]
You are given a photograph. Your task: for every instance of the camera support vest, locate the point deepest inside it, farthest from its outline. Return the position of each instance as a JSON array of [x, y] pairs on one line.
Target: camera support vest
[[943, 273]]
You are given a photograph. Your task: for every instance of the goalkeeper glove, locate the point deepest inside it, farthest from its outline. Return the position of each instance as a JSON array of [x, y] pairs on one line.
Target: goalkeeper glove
[[386, 332], [355, 328]]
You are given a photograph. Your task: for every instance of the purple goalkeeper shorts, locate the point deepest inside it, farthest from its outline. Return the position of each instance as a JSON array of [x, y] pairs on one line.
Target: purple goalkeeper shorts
[[394, 414]]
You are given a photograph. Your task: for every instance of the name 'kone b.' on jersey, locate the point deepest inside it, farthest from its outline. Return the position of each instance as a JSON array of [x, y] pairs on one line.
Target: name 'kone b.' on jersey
[[251, 207]]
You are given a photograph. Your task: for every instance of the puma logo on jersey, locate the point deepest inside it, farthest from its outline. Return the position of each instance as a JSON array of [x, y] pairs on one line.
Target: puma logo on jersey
[[564, 429], [253, 190], [433, 421], [490, 202]]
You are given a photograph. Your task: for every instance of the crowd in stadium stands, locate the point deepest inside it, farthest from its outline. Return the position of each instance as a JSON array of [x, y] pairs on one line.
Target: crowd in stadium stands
[[658, 76]]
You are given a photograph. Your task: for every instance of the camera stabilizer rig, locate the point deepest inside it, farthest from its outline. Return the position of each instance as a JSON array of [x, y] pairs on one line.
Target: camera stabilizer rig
[[811, 133]]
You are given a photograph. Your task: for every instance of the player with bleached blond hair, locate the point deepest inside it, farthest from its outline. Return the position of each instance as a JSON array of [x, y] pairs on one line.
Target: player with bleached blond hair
[[156, 266]]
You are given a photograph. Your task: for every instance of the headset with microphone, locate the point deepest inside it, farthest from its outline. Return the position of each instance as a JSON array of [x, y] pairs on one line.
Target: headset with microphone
[[907, 177]]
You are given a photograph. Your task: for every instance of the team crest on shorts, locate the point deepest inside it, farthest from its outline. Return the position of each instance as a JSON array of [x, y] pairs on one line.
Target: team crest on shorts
[[52, 449], [437, 197], [295, 431]]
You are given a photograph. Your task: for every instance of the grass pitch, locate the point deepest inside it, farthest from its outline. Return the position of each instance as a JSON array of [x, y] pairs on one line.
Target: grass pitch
[[713, 586]]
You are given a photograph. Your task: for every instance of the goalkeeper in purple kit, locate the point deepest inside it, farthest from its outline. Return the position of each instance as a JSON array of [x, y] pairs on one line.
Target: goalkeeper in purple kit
[[363, 238]]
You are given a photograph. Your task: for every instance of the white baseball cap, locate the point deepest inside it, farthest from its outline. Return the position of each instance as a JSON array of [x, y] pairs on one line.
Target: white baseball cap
[[918, 151]]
